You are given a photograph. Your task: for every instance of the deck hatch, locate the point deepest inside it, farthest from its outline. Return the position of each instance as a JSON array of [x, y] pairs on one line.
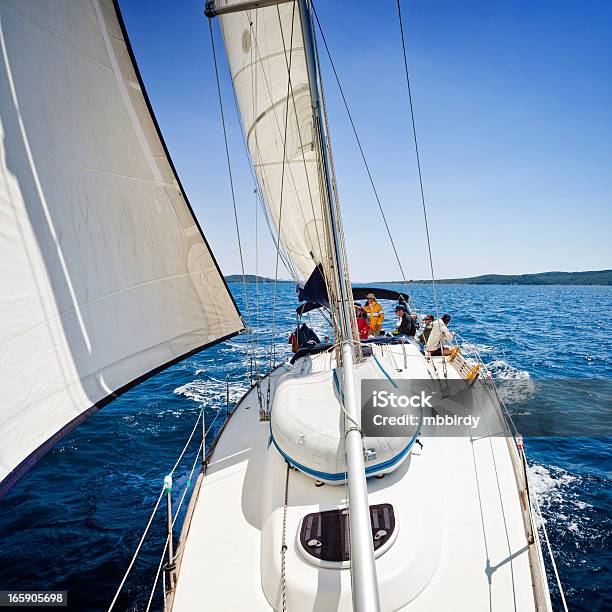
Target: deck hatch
[[324, 535]]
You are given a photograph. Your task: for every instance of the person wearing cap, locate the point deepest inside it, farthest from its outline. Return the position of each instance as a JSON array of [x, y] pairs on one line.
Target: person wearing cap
[[438, 336], [377, 316], [426, 328], [362, 321], [405, 324]]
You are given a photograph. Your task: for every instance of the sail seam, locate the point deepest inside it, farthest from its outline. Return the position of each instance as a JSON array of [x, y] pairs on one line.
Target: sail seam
[[18, 151], [59, 39]]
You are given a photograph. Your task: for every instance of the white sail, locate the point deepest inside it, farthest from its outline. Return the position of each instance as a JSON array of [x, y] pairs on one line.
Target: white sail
[[278, 124], [106, 276]]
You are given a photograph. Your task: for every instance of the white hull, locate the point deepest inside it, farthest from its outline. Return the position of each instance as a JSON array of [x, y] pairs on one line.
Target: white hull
[[461, 536]]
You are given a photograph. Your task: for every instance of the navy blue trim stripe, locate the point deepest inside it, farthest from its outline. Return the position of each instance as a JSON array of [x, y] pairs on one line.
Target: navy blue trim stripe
[[339, 476]]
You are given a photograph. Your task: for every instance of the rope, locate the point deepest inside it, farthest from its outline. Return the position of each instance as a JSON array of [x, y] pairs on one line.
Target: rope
[[133, 560], [284, 545], [418, 158], [159, 499], [283, 255], [161, 562], [282, 185], [188, 441], [178, 508], [303, 155], [257, 370], [231, 183], [361, 151], [334, 200]]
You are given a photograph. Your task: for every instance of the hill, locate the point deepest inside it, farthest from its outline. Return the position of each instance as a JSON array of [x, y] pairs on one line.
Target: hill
[[594, 277], [252, 278]]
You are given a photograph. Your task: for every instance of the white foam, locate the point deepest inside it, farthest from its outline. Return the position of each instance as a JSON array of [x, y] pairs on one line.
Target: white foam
[[558, 499], [502, 370], [211, 391], [513, 385]]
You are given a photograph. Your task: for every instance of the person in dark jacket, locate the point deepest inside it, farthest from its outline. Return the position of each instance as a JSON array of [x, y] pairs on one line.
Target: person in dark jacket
[[304, 337], [405, 324]]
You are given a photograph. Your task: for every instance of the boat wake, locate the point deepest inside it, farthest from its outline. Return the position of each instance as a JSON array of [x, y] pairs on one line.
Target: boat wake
[[212, 392], [559, 496]]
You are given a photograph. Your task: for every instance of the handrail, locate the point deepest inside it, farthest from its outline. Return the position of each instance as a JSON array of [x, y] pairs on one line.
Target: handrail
[[232, 376]]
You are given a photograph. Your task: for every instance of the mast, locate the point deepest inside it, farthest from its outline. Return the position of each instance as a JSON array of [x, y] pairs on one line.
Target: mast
[[363, 567], [304, 243]]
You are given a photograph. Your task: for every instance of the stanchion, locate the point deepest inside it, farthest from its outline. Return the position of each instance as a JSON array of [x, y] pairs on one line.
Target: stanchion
[[227, 397], [170, 566], [203, 436]]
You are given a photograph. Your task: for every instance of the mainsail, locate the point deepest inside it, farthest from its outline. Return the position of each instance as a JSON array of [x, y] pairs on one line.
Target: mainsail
[[106, 275], [265, 49]]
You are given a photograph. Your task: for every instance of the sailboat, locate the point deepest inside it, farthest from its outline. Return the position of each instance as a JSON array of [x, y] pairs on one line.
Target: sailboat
[[108, 279]]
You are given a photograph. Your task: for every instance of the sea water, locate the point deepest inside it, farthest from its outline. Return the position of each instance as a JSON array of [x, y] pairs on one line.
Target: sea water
[[75, 520]]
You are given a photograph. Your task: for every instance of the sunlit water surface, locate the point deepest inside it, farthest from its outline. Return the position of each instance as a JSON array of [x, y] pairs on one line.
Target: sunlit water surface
[[74, 521]]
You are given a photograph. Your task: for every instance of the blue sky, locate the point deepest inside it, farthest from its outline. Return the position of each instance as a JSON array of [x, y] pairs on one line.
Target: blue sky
[[513, 103]]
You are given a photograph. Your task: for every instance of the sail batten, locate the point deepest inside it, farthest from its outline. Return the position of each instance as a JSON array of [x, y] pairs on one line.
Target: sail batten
[[107, 277]]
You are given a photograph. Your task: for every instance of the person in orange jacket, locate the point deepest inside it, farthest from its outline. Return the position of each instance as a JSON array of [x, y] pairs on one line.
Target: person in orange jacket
[[377, 316]]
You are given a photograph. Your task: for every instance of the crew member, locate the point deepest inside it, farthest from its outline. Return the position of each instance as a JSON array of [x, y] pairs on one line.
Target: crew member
[[377, 316], [362, 321], [438, 336], [405, 324]]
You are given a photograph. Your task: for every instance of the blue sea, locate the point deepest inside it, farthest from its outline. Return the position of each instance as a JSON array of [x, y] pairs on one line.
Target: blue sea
[[74, 521]]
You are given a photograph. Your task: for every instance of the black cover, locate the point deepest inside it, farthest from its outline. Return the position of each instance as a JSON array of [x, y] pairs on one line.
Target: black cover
[[359, 293], [314, 293], [325, 535]]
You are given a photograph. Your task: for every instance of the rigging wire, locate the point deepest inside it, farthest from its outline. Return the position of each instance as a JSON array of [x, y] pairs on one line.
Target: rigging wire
[[283, 255], [418, 158], [231, 182], [280, 133], [137, 551], [361, 151], [303, 155], [282, 183], [157, 504], [334, 200]]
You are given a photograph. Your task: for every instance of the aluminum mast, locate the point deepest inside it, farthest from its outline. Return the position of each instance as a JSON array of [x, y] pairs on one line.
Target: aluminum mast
[[363, 567]]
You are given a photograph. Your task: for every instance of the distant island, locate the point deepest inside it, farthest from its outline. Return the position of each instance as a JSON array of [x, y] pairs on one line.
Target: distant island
[[594, 277], [252, 278]]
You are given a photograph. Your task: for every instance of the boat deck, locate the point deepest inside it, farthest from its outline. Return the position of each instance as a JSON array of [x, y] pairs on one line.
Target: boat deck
[[461, 543]]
